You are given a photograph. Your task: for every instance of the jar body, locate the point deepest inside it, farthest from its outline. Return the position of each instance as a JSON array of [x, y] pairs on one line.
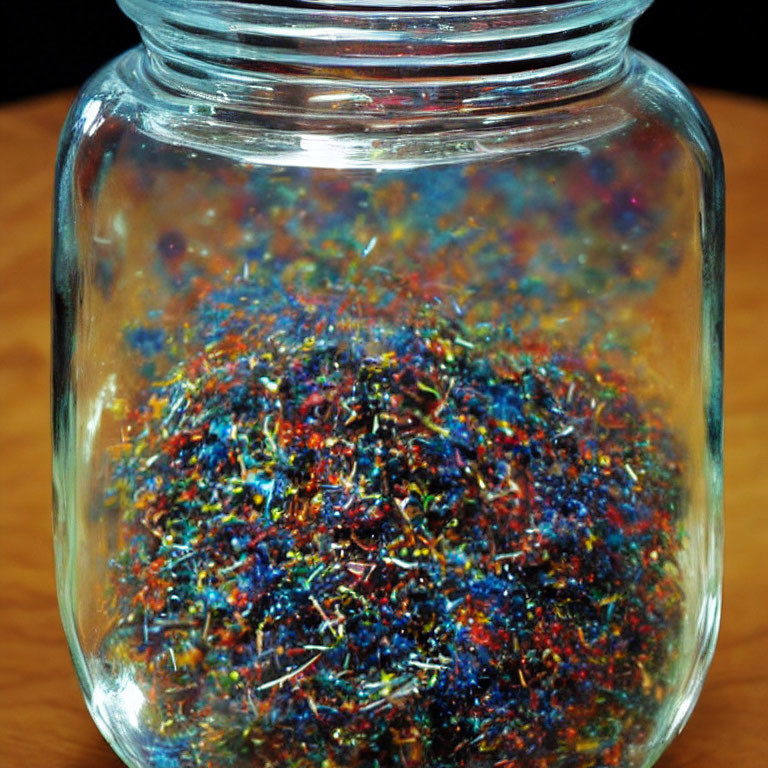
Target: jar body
[[393, 456]]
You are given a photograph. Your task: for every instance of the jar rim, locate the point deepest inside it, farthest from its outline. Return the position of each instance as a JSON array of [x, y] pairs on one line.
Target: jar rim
[[237, 52], [393, 9]]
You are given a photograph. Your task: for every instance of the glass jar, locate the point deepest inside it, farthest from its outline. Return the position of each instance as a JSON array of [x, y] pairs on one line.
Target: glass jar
[[387, 387]]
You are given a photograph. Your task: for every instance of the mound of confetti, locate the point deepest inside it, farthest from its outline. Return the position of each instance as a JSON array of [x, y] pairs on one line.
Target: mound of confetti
[[351, 542]]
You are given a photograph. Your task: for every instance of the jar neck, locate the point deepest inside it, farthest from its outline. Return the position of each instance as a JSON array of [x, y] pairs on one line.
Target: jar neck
[[385, 60]]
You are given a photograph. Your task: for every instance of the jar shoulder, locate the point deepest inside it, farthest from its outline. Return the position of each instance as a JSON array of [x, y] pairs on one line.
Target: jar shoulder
[[653, 92]]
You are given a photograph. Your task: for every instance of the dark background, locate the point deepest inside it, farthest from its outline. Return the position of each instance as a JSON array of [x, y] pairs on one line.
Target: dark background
[[52, 44]]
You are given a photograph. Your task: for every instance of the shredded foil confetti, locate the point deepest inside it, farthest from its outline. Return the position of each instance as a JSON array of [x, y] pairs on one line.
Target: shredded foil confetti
[[356, 539]]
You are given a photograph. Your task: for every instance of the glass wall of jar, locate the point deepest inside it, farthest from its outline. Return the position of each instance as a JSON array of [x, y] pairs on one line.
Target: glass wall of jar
[[387, 387]]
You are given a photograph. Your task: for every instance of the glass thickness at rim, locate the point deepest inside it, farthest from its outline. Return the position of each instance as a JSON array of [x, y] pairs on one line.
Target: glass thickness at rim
[[387, 14], [400, 6]]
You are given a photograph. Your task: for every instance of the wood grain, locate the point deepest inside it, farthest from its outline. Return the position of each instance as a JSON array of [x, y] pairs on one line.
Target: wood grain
[[43, 721]]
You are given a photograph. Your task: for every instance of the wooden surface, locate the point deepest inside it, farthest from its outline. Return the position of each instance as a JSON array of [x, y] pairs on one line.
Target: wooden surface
[[43, 721]]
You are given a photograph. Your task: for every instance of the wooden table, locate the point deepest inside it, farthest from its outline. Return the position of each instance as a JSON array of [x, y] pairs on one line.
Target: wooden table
[[43, 721]]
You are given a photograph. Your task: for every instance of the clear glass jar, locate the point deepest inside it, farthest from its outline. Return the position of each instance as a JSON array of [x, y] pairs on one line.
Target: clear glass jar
[[387, 382]]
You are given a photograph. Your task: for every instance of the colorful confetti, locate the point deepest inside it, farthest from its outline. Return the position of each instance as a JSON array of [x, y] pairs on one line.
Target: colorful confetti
[[358, 536]]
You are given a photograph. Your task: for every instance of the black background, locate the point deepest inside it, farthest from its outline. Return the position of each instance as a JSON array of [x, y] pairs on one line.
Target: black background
[[52, 44]]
